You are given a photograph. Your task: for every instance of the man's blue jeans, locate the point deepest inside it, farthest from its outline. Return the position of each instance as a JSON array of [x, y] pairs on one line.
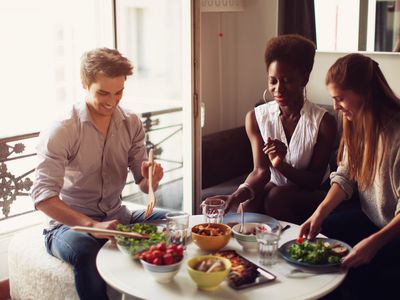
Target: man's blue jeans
[[80, 250]]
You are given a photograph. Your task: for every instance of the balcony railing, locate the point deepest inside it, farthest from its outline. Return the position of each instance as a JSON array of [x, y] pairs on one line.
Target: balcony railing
[[17, 162]]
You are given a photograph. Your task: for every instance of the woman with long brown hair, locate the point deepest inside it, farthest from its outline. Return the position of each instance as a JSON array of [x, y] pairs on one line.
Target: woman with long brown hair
[[369, 162]]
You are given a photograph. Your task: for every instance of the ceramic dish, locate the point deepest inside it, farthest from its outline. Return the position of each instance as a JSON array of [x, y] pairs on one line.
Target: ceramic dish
[[284, 252], [247, 238], [233, 218]]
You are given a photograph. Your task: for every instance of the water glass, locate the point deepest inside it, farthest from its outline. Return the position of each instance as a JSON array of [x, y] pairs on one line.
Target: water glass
[[213, 210], [268, 239], [177, 227]]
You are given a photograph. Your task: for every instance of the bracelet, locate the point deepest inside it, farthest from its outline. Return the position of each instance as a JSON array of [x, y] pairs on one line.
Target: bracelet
[[247, 186]]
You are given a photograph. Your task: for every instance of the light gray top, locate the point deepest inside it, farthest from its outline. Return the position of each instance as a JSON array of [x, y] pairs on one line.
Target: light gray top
[[380, 201], [85, 169]]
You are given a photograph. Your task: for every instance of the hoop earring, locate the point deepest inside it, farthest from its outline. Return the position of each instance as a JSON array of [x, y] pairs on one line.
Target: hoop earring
[[305, 94], [265, 95]]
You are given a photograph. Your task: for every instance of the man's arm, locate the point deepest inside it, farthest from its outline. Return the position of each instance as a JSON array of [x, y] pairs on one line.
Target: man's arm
[[57, 209]]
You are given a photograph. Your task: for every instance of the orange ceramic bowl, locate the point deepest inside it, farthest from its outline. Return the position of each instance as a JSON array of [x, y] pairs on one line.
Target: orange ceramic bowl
[[205, 241]]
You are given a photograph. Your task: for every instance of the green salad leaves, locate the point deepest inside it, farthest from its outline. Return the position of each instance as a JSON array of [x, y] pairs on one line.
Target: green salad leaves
[[316, 253], [135, 246]]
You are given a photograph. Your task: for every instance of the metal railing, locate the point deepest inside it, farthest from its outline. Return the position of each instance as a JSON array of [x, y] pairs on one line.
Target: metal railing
[[18, 152]]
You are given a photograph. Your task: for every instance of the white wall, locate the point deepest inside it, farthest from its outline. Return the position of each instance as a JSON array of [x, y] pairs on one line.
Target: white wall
[[243, 69], [316, 91]]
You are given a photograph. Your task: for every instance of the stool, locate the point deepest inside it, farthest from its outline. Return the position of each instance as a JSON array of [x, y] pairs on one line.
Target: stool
[[35, 274]]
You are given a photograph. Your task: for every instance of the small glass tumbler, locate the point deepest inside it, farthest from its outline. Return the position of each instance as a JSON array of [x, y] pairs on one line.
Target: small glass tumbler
[[268, 238], [213, 210], [177, 227]]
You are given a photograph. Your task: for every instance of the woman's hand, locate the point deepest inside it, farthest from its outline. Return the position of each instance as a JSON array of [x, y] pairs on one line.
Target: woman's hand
[[276, 151], [227, 198], [312, 227], [231, 201], [361, 254], [158, 172]]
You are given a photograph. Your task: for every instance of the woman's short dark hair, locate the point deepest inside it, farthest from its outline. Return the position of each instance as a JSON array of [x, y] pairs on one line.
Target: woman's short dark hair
[[293, 49]]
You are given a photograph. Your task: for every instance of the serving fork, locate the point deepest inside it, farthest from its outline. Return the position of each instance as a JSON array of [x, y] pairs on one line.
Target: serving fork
[[152, 197]]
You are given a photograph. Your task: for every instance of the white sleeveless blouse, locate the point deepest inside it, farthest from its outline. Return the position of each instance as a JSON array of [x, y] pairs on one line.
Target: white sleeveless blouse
[[304, 138]]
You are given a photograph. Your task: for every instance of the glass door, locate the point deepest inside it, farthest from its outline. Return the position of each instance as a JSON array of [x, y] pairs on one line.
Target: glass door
[[156, 36]]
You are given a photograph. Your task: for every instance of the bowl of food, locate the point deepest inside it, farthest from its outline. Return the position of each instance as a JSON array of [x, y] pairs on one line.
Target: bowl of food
[[246, 236], [134, 246], [162, 262], [208, 271], [211, 236]]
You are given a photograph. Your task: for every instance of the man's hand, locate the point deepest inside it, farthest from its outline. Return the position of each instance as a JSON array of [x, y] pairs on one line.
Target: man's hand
[[105, 225], [276, 151], [158, 172]]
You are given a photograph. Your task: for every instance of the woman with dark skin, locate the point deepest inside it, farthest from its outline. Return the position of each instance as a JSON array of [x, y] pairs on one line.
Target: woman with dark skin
[[291, 139]]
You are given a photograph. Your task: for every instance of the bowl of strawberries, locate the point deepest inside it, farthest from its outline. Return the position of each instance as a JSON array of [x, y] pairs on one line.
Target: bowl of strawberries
[[162, 261]]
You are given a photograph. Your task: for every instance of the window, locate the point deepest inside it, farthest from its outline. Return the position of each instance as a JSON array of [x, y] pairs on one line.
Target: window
[[149, 32], [40, 65], [40, 76], [365, 25], [40, 79], [337, 25]]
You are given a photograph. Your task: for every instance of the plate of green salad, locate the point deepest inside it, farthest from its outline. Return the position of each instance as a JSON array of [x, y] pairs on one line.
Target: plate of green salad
[[318, 253], [134, 246]]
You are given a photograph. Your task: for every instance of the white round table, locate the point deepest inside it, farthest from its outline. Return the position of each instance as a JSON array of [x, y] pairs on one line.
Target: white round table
[[129, 277]]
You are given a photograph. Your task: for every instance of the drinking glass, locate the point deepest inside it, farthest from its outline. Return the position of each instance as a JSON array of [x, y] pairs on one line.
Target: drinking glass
[[268, 236], [213, 210], [177, 227]]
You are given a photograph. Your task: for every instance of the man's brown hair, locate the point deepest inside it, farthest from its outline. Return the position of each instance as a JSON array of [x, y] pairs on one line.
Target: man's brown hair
[[104, 61]]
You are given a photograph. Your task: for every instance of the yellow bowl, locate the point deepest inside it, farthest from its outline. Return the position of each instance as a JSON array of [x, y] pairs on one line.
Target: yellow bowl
[[207, 281], [212, 243]]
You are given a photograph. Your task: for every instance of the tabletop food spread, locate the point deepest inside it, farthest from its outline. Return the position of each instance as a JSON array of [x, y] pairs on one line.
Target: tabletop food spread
[[163, 261]]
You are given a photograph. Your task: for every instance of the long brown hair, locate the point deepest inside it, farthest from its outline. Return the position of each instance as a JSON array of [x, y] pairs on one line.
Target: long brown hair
[[363, 136]]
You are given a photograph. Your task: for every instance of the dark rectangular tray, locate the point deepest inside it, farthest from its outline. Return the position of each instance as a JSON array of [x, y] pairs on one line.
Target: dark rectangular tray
[[244, 273]]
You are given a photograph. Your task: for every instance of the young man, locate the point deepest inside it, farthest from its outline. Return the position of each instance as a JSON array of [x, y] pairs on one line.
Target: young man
[[83, 164]]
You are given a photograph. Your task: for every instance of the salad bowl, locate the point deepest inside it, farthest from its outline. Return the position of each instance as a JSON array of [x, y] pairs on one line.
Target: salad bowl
[[133, 246]]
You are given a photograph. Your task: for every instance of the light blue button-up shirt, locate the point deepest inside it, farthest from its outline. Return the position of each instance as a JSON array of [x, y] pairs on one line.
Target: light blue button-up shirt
[[87, 170]]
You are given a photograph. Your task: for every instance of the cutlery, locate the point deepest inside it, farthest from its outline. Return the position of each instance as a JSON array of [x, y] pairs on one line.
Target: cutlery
[[286, 227], [152, 197], [110, 232], [302, 273], [266, 274], [241, 209]]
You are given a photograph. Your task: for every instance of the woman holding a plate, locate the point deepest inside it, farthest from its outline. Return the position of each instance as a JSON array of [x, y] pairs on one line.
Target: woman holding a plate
[[369, 161]]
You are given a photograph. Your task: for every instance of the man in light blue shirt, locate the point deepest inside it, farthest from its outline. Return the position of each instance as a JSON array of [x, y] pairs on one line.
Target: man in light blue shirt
[[83, 165]]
